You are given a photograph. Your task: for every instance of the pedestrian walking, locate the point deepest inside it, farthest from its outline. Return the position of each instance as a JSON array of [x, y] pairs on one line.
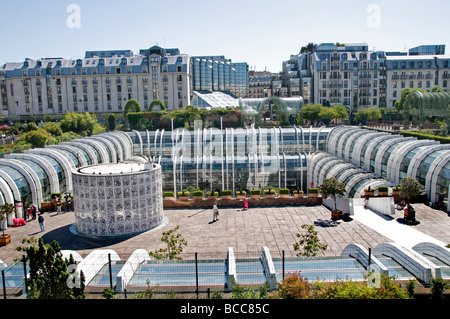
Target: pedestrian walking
[[215, 212], [41, 222], [58, 205], [33, 211]]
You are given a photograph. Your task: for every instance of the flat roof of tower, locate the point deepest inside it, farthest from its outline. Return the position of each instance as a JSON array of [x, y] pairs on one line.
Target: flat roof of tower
[[116, 168]]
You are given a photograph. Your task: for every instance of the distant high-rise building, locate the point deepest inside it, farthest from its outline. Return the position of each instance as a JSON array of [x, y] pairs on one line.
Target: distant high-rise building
[[435, 49], [215, 73]]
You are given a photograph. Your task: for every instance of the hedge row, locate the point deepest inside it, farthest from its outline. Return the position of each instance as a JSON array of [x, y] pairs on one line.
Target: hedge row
[[423, 136]]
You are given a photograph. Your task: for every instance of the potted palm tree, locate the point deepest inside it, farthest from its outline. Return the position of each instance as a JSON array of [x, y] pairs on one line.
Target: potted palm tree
[[212, 195], [5, 211], [298, 193], [183, 195], [241, 194], [395, 191], [369, 191], [269, 193], [332, 186]]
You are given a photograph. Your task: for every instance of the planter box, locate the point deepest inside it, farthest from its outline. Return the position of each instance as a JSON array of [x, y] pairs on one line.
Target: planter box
[[169, 198], [183, 198], [241, 196], [336, 214], [212, 197], [382, 193], [255, 196], [269, 195], [226, 197], [369, 193], [5, 240], [284, 195], [298, 195], [198, 197], [313, 195]]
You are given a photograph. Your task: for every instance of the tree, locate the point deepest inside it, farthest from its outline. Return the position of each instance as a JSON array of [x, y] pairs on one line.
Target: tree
[[327, 113], [53, 128], [436, 89], [80, 123], [410, 187], [37, 138], [341, 112], [185, 117], [332, 186], [111, 122], [309, 244], [49, 276], [311, 112], [174, 244], [5, 210]]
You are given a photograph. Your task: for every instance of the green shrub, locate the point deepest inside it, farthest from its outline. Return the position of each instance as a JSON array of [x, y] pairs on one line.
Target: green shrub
[[227, 192], [313, 190], [284, 191], [169, 194], [255, 192], [198, 193], [241, 192], [270, 191], [183, 193], [298, 191], [382, 188], [212, 193], [421, 136]]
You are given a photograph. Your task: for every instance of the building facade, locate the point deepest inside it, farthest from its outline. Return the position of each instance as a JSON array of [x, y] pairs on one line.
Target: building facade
[[216, 73], [101, 82], [353, 75]]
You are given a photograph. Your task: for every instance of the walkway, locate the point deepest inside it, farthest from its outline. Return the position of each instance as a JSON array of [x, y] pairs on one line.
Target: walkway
[[245, 231], [388, 226]]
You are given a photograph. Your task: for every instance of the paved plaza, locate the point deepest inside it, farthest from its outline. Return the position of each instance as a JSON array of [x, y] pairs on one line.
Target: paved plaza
[[245, 231]]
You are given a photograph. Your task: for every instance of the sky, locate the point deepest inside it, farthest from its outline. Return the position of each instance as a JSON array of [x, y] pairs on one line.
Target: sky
[[260, 32]]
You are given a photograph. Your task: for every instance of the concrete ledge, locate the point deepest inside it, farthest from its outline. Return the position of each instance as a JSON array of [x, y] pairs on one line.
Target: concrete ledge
[[231, 273], [126, 273], [434, 250], [410, 260], [93, 262], [362, 255], [269, 267]]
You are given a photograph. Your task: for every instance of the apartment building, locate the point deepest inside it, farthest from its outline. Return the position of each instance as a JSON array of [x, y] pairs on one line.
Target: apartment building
[[353, 75], [101, 82], [415, 72]]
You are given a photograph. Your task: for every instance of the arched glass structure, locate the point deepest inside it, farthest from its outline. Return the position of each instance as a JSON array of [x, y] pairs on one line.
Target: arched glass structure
[[234, 159], [284, 107], [425, 104]]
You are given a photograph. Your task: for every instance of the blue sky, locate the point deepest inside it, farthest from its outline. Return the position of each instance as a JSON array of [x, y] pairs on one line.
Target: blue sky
[[259, 32]]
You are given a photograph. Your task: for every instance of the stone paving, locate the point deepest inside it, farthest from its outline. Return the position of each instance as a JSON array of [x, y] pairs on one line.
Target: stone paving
[[245, 231]]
